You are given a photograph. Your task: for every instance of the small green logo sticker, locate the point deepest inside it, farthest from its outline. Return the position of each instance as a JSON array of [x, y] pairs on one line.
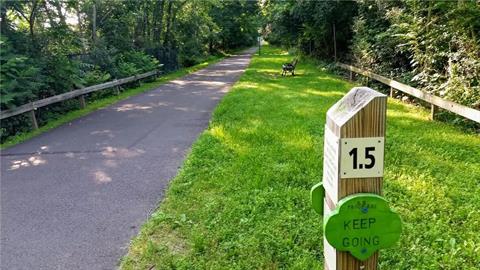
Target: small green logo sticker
[[362, 224]]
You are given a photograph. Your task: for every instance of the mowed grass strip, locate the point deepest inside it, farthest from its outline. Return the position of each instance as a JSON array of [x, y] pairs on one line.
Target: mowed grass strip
[[241, 199]]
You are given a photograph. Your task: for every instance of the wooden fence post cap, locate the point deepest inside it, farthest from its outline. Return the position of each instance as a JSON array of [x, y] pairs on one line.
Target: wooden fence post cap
[[354, 101]]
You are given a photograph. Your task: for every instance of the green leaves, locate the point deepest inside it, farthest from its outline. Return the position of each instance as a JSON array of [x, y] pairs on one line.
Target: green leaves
[[19, 77]]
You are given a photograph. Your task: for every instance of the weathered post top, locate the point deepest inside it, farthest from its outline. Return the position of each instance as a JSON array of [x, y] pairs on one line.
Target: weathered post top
[[352, 111], [357, 221]]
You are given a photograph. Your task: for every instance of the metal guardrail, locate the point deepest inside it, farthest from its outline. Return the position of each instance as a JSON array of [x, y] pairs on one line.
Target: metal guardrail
[[435, 101], [32, 106]]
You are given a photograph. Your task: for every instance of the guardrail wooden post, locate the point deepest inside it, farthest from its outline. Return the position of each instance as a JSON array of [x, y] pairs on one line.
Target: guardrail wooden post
[[391, 88], [81, 99], [433, 111], [117, 90], [351, 76], [137, 81], [357, 221], [33, 118]]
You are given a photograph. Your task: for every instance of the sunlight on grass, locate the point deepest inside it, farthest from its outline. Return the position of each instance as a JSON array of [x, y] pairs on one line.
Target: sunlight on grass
[[325, 94], [219, 133]]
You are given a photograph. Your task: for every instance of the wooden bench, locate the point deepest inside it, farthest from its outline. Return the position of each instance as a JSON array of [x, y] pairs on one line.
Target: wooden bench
[[289, 67]]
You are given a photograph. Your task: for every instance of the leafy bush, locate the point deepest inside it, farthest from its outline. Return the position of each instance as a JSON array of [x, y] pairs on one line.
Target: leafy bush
[[61, 75], [20, 78], [126, 69], [134, 62], [190, 54], [92, 75], [103, 57]]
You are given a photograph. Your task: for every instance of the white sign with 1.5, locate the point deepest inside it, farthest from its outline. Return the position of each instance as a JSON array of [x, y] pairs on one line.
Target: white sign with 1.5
[[361, 157]]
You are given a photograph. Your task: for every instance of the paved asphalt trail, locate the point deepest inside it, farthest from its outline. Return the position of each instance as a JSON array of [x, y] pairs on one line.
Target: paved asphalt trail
[[73, 197]]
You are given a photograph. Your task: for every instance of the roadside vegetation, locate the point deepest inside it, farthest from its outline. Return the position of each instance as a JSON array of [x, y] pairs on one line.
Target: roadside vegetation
[[106, 98], [241, 199]]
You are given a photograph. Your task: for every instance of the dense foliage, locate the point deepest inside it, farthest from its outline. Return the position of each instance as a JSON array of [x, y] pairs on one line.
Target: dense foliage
[[50, 46], [433, 45]]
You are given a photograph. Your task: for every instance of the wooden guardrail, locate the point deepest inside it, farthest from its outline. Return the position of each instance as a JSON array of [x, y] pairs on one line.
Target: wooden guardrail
[[80, 93], [434, 101]]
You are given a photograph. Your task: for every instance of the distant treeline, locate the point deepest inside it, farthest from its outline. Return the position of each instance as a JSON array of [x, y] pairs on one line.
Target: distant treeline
[[53, 46], [432, 45]]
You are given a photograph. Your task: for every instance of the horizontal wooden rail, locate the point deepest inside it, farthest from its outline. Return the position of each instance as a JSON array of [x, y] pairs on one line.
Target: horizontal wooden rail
[[451, 106], [30, 107]]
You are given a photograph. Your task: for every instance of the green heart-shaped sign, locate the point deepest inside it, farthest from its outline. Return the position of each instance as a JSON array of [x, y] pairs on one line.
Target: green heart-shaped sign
[[362, 224]]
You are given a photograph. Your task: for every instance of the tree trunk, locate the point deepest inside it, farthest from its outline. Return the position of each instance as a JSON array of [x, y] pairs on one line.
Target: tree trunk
[[166, 39], [94, 23], [58, 6], [173, 15], [146, 25], [31, 22], [49, 14], [5, 22], [334, 43], [79, 19], [158, 22]]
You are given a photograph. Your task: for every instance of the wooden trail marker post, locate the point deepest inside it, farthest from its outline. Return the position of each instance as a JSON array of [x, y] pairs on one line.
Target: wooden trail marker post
[[357, 221]]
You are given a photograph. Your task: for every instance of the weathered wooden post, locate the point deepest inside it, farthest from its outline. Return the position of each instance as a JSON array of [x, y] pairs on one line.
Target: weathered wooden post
[[433, 111], [33, 118], [357, 221], [391, 88], [81, 99], [259, 44]]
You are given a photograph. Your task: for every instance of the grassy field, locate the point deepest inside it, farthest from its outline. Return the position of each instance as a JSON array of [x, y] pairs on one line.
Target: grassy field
[[241, 200], [103, 102]]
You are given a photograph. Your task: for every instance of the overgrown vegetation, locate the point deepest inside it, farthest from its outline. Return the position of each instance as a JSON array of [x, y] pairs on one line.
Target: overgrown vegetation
[[432, 45], [241, 200], [49, 47]]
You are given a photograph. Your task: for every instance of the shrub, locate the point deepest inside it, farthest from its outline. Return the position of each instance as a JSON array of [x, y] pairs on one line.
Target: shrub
[[134, 62], [20, 78]]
